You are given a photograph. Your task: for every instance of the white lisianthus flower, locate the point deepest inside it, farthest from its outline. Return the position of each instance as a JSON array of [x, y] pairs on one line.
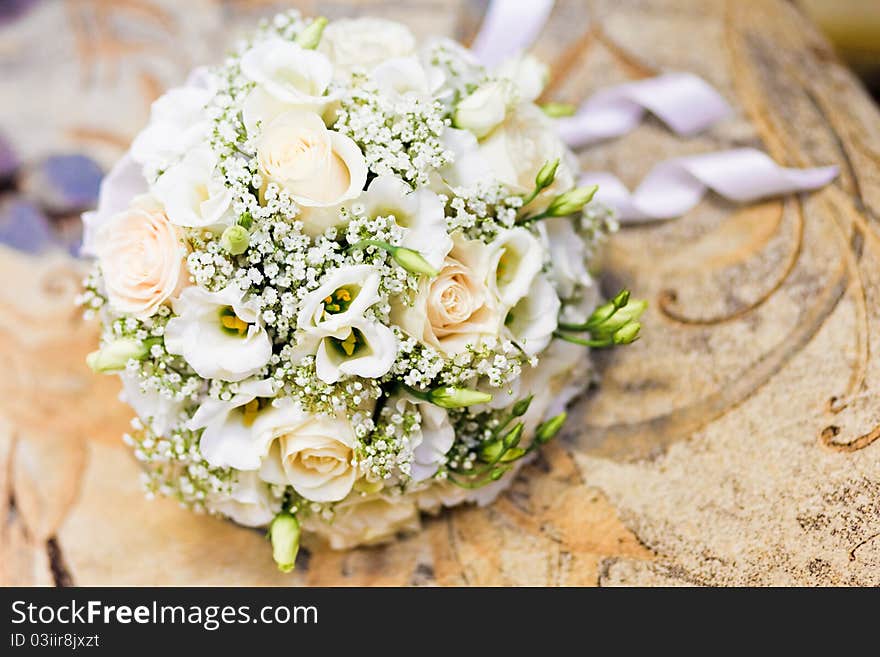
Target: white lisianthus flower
[[343, 341], [457, 308], [249, 502], [366, 520], [469, 166], [287, 77], [158, 411], [484, 109], [227, 439], [363, 43], [319, 168], [527, 73], [517, 257], [178, 123], [122, 183], [193, 192], [433, 440], [218, 334], [567, 255], [533, 319], [518, 148], [312, 453], [405, 76], [142, 258], [419, 212]]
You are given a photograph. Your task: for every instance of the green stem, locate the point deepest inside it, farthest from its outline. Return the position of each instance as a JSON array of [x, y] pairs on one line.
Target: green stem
[[378, 244], [581, 341], [532, 219]]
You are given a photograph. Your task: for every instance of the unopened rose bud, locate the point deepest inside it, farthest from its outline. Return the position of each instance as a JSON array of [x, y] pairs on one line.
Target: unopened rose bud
[[310, 37], [558, 110], [547, 430], [413, 261], [571, 201], [483, 110], [235, 239], [284, 533], [114, 356], [457, 397]]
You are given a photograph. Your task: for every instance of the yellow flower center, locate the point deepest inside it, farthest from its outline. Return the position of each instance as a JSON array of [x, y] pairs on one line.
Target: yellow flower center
[[232, 323]]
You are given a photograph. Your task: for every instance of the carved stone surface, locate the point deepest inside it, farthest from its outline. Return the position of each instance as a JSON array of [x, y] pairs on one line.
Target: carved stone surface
[[736, 443]]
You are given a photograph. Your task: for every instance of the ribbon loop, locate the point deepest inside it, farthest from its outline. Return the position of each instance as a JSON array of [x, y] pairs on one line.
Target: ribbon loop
[[675, 186]]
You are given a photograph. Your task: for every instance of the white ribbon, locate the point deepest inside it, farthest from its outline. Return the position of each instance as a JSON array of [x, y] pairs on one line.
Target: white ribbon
[[675, 186], [510, 27], [683, 101]]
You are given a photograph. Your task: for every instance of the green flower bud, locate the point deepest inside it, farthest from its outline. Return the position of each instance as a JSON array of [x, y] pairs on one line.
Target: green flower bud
[[512, 454], [113, 356], [497, 474], [310, 37], [491, 451], [235, 239], [521, 407], [546, 174], [246, 220], [558, 110], [629, 333], [513, 436], [546, 430], [621, 317], [284, 533], [571, 201], [413, 261], [457, 397]]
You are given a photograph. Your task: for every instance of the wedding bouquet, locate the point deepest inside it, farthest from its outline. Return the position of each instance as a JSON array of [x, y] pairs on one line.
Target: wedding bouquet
[[344, 278]]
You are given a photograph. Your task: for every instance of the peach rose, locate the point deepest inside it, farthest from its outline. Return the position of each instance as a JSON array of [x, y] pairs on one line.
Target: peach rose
[[142, 258], [457, 307]]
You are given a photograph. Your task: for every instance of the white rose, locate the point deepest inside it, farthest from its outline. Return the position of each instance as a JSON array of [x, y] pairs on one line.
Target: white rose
[[218, 334], [158, 411], [567, 255], [532, 321], [484, 109], [363, 43], [312, 453], [124, 182], [178, 123], [527, 73], [193, 192], [520, 146], [287, 77], [320, 168], [227, 438], [336, 332], [366, 521], [456, 308], [420, 213], [249, 502], [142, 258]]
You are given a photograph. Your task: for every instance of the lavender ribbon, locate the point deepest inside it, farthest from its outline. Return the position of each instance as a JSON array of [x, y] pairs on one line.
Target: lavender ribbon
[[675, 186], [510, 27], [683, 101]]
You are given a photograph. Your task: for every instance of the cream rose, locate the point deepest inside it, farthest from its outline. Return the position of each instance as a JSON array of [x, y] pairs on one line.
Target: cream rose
[[312, 453], [318, 167], [457, 307], [366, 521], [364, 43], [141, 256]]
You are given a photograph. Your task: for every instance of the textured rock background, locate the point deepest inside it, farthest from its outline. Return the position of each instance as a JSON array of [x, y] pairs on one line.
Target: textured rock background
[[734, 444]]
